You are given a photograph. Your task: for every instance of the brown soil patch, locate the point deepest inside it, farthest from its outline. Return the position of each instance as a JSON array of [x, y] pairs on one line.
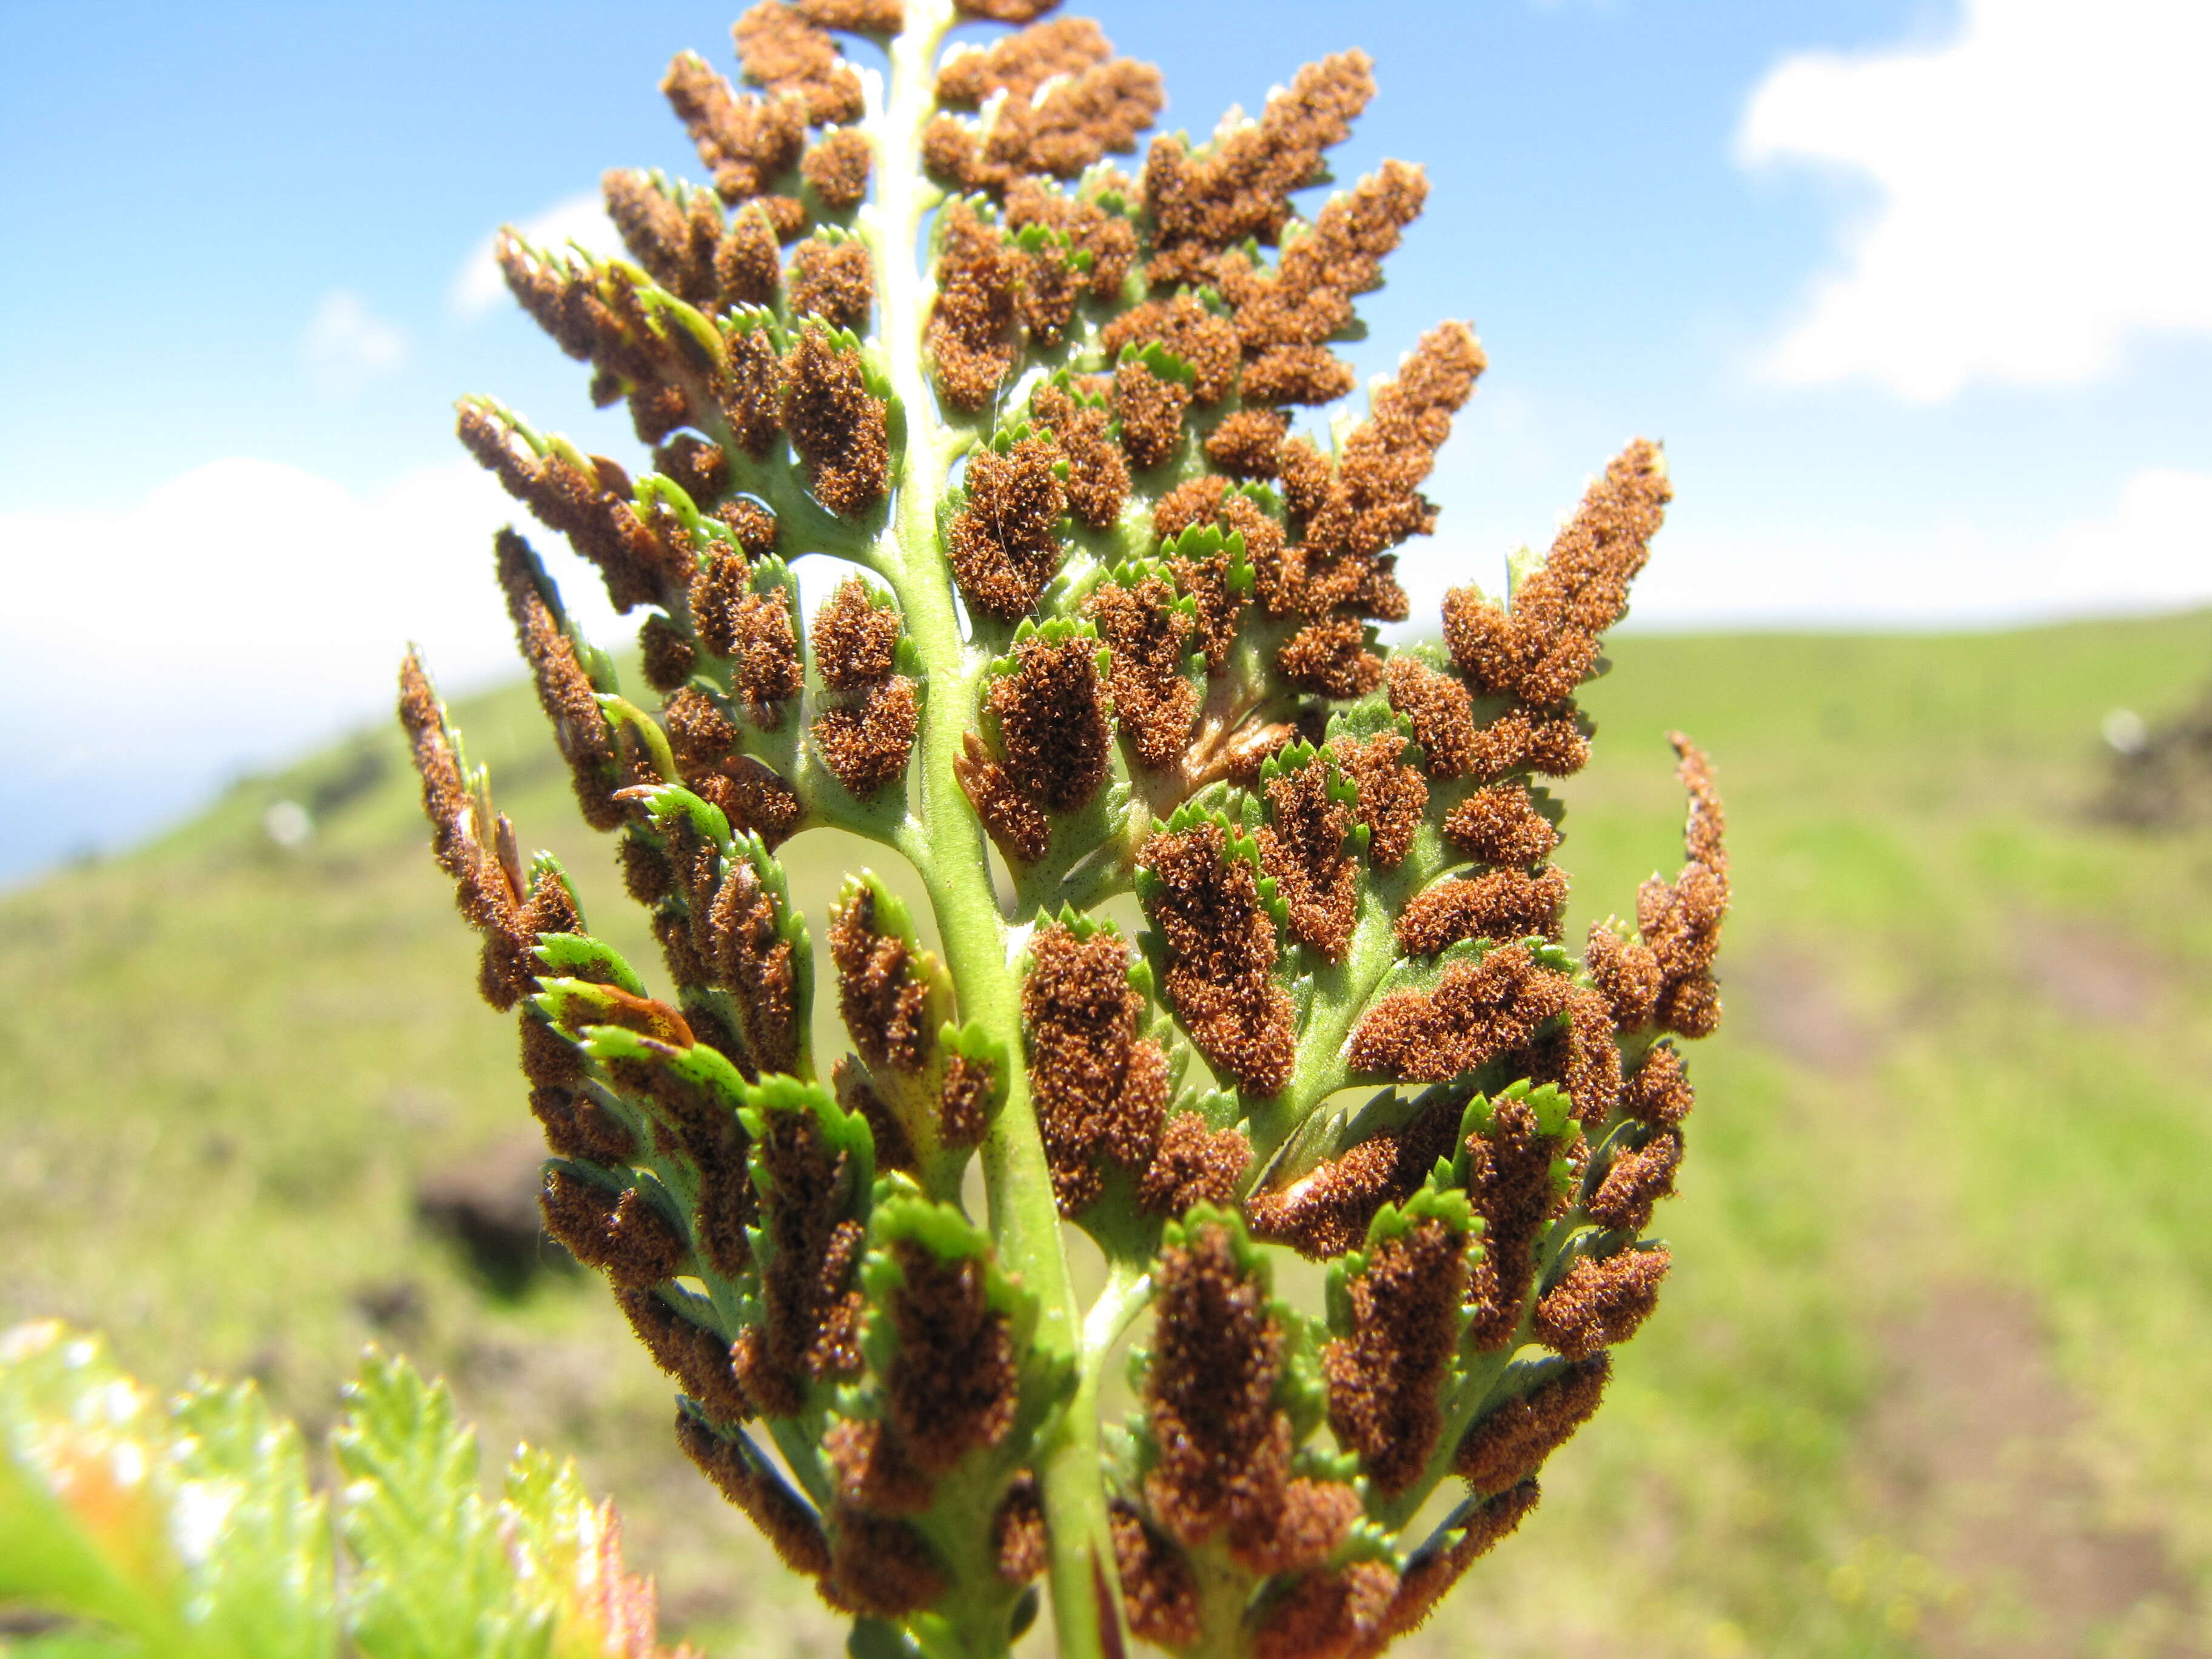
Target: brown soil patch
[[2087, 971], [1971, 1450], [1784, 999]]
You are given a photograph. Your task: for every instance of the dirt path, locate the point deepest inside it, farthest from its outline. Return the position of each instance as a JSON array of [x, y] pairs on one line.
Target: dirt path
[[1971, 1450]]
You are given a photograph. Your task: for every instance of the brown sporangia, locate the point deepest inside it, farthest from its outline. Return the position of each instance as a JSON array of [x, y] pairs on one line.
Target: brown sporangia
[[1019, 63], [879, 1567], [1016, 823], [1386, 1376], [1551, 744], [591, 507], [866, 741], [834, 281], [884, 1000], [1150, 409], [1628, 975], [754, 797], [1599, 1304], [1249, 443], [1500, 824], [697, 1358], [1394, 796], [971, 333], [1510, 1186], [1307, 299], [1225, 1447], [1432, 1572], [1149, 635], [785, 53], [1109, 238], [1326, 1614], [1658, 1092], [1098, 481], [837, 168], [873, 1472], [646, 872], [715, 598], [1326, 1212], [1499, 904], [593, 314], [1048, 283], [1203, 205], [855, 1090], [784, 1518], [1004, 11], [751, 389], [753, 962], [699, 467], [1204, 581], [811, 1331], [1221, 955], [669, 657], [964, 1101], [576, 1125], [859, 16], [1100, 1090], [1350, 512], [747, 143], [769, 672], [1069, 102], [1637, 1180], [749, 259], [1330, 659], [621, 1234], [564, 691], [951, 1390], [855, 639], [1681, 921], [699, 734], [1510, 1445], [487, 880], [1159, 1591], [1297, 374], [1206, 342], [837, 426], [1441, 712], [1054, 735], [1017, 1532], [1477, 1011], [1208, 499], [1305, 846], [674, 237], [1538, 649], [1193, 1164], [1004, 544]]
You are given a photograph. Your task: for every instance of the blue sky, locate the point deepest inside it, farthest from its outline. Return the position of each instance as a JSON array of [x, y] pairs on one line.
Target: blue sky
[[1918, 294]]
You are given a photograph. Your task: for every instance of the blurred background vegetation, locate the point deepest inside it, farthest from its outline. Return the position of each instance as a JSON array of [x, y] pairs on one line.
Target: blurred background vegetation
[[1933, 1374]]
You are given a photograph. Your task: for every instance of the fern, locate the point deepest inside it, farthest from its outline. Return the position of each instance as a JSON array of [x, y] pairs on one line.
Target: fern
[[1110, 630]]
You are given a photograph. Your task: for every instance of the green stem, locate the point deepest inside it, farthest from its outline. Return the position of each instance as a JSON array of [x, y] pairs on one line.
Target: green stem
[[953, 859]]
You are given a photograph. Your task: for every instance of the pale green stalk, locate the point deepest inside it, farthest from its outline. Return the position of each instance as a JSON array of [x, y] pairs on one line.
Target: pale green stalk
[[945, 841]]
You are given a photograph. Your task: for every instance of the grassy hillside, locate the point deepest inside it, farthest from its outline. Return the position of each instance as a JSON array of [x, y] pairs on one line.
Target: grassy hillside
[[1934, 1374]]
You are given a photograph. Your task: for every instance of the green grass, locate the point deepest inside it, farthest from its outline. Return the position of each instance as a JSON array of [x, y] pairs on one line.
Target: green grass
[[1965, 1047]]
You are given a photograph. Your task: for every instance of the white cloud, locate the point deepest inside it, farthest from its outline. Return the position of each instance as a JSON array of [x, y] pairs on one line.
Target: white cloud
[[2042, 194], [2151, 552], [243, 611], [346, 346], [477, 285]]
